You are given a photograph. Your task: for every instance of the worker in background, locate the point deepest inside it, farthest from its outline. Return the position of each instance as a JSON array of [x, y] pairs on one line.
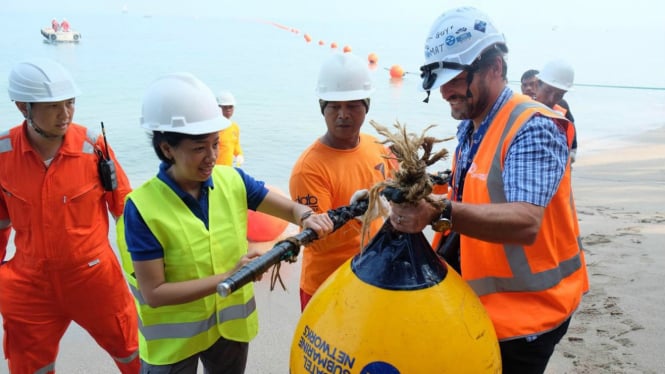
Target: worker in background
[[230, 152], [554, 81]]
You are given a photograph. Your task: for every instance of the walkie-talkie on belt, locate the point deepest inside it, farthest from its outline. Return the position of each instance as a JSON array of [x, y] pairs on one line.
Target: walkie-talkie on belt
[[107, 167]]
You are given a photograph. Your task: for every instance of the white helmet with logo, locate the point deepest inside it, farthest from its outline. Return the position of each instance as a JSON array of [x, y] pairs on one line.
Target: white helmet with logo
[[226, 98], [40, 81], [558, 74], [455, 41], [344, 77], [180, 102]]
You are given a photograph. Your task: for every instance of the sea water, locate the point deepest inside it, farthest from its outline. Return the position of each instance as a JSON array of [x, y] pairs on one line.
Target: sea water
[[272, 72]]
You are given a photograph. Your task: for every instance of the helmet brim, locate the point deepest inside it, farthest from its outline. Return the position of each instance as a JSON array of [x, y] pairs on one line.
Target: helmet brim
[[202, 127], [560, 86], [346, 95], [443, 76]]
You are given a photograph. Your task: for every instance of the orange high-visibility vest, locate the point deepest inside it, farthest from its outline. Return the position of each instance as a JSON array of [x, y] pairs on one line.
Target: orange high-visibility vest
[[560, 109], [526, 289]]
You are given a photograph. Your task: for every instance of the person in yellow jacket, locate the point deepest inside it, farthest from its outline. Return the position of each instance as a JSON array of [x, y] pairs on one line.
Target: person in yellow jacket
[[230, 151], [184, 231], [64, 269], [510, 199]]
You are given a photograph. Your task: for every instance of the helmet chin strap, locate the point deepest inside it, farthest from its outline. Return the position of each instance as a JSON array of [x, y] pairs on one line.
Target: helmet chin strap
[[37, 129], [469, 79]]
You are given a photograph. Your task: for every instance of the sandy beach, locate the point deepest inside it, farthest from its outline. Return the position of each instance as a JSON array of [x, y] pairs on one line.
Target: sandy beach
[[620, 197]]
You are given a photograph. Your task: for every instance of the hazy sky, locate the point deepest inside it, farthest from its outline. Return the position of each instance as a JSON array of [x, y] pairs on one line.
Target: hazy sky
[[597, 12], [623, 36]]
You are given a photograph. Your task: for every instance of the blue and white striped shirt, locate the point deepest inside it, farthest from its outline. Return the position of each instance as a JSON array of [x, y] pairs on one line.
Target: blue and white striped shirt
[[535, 161]]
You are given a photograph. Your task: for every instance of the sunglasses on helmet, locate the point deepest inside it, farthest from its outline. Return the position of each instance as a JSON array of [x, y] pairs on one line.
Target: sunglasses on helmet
[[429, 76]]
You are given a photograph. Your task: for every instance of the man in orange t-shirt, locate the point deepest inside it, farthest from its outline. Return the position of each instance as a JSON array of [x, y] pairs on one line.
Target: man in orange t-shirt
[[336, 165]]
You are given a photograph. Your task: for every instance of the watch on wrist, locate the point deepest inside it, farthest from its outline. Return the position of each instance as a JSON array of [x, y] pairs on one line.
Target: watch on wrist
[[444, 221]]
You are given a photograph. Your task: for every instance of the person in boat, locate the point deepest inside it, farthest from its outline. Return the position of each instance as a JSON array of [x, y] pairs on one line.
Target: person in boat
[[55, 25], [511, 200], [184, 231], [65, 25], [230, 151], [340, 162], [64, 268]]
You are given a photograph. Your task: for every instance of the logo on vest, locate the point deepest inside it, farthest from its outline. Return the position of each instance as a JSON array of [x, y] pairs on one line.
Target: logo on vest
[[473, 173]]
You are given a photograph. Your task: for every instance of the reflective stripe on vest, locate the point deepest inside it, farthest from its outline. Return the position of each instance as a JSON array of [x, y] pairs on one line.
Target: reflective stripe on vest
[[526, 289], [523, 278], [171, 333], [5, 145], [90, 140], [128, 359], [191, 329], [46, 369]]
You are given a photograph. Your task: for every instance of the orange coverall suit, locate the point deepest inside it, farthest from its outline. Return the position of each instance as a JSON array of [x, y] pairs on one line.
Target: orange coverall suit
[[64, 268]]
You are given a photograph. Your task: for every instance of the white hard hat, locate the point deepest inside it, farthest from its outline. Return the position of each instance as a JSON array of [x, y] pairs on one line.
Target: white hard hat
[[344, 77], [559, 74], [225, 98], [40, 81], [180, 102], [456, 39]]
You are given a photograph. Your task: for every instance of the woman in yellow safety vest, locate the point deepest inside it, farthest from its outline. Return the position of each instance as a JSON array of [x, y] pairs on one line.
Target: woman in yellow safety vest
[[184, 231]]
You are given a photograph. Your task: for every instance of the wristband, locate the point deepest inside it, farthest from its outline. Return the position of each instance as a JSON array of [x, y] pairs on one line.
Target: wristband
[[305, 215]]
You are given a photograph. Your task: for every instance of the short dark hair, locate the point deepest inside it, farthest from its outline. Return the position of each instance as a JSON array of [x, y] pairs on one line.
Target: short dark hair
[[172, 139], [487, 58], [528, 74]]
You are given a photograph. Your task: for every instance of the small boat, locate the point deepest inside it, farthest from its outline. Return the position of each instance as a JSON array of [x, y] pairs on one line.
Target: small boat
[[60, 36]]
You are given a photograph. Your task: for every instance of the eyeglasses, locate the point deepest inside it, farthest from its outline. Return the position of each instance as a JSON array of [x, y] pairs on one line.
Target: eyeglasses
[[429, 76]]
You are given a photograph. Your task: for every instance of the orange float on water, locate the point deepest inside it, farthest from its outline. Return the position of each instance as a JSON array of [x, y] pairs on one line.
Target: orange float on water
[[333, 45], [396, 71], [308, 38], [321, 42], [372, 58], [263, 227], [347, 49]]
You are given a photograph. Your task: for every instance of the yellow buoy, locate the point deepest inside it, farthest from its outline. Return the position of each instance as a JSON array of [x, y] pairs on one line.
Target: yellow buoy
[[395, 308]]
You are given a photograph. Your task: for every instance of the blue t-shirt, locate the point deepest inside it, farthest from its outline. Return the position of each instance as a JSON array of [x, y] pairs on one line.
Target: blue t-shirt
[[141, 242]]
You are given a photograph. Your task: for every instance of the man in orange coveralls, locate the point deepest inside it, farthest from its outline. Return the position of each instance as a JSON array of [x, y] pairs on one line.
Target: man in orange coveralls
[[64, 268]]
